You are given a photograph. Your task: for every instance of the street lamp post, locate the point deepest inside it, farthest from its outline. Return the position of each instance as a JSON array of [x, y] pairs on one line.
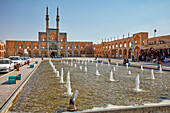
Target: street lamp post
[[132, 51], [132, 55]]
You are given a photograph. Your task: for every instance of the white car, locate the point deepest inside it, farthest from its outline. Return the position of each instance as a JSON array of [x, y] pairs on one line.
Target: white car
[[24, 59], [29, 58], [6, 65], [16, 59]]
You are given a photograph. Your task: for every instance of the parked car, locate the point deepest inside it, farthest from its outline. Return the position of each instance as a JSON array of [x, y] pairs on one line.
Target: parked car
[[24, 59], [16, 59], [29, 58], [6, 65]]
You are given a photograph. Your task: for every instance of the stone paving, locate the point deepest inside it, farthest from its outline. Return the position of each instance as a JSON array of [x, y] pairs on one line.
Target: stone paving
[[6, 90]]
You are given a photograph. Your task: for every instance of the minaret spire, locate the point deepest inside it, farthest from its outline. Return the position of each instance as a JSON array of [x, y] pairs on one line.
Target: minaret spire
[[57, 18], [47, 18]]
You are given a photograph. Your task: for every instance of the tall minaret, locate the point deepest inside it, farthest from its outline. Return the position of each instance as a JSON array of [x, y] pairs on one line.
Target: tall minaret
[[47, 18], [57, 19]]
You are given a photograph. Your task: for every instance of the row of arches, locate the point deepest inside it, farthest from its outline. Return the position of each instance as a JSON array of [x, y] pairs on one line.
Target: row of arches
[[2, 50], [2, 47], [119, 53], [53, 37], [2, 54], [124, 43], [52, 46], [35, 53]]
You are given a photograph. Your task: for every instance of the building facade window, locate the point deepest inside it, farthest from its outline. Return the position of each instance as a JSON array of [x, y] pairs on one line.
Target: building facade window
[[124, 44]]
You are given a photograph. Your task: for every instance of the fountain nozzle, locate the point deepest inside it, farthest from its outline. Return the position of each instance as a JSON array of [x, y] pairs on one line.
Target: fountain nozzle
[[72, 106]]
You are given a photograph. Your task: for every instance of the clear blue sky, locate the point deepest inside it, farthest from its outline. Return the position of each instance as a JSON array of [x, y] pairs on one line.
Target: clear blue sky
[[84, 20]]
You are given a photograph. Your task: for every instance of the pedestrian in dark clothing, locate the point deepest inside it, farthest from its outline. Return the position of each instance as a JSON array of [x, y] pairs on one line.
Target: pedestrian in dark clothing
[[124, 61]]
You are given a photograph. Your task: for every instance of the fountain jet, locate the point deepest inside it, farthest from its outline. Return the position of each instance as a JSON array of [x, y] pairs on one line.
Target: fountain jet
[[129, 73], [141, 67], [55, 71], [96, 65], [114, 69], [160, 70], [152, 74], [137, 83], [97, 72], [71, 63], [126, 65], [58, 74], [111, 76], [85, 62], [68, 84], [117, 64], [108, 63], [85, 69], [80, 67], [61, 77]]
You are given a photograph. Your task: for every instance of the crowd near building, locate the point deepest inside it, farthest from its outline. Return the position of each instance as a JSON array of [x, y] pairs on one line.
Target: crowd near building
[[52, 42]]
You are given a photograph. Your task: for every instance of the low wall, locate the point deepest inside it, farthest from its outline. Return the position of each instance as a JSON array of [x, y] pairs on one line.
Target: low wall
[[148, 109]]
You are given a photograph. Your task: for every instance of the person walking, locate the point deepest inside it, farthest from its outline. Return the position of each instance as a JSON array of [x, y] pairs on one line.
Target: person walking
[[42, 58]]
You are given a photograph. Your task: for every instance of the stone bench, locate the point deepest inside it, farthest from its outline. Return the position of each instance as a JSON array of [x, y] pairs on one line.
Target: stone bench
[[31, 65], [12, 78]]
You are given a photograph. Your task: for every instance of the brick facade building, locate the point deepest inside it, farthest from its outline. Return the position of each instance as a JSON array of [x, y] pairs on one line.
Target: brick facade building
[[2, 49], [50, 43], [126, 47]]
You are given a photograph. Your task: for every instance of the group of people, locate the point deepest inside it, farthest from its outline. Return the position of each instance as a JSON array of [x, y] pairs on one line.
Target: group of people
[[125, 61], [153, 56]]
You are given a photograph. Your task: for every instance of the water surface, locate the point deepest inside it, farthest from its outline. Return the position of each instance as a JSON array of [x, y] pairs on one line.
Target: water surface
[[44, 93]]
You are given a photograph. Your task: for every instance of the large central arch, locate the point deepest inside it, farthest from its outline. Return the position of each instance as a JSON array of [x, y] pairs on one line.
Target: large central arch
[[53, 46]]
